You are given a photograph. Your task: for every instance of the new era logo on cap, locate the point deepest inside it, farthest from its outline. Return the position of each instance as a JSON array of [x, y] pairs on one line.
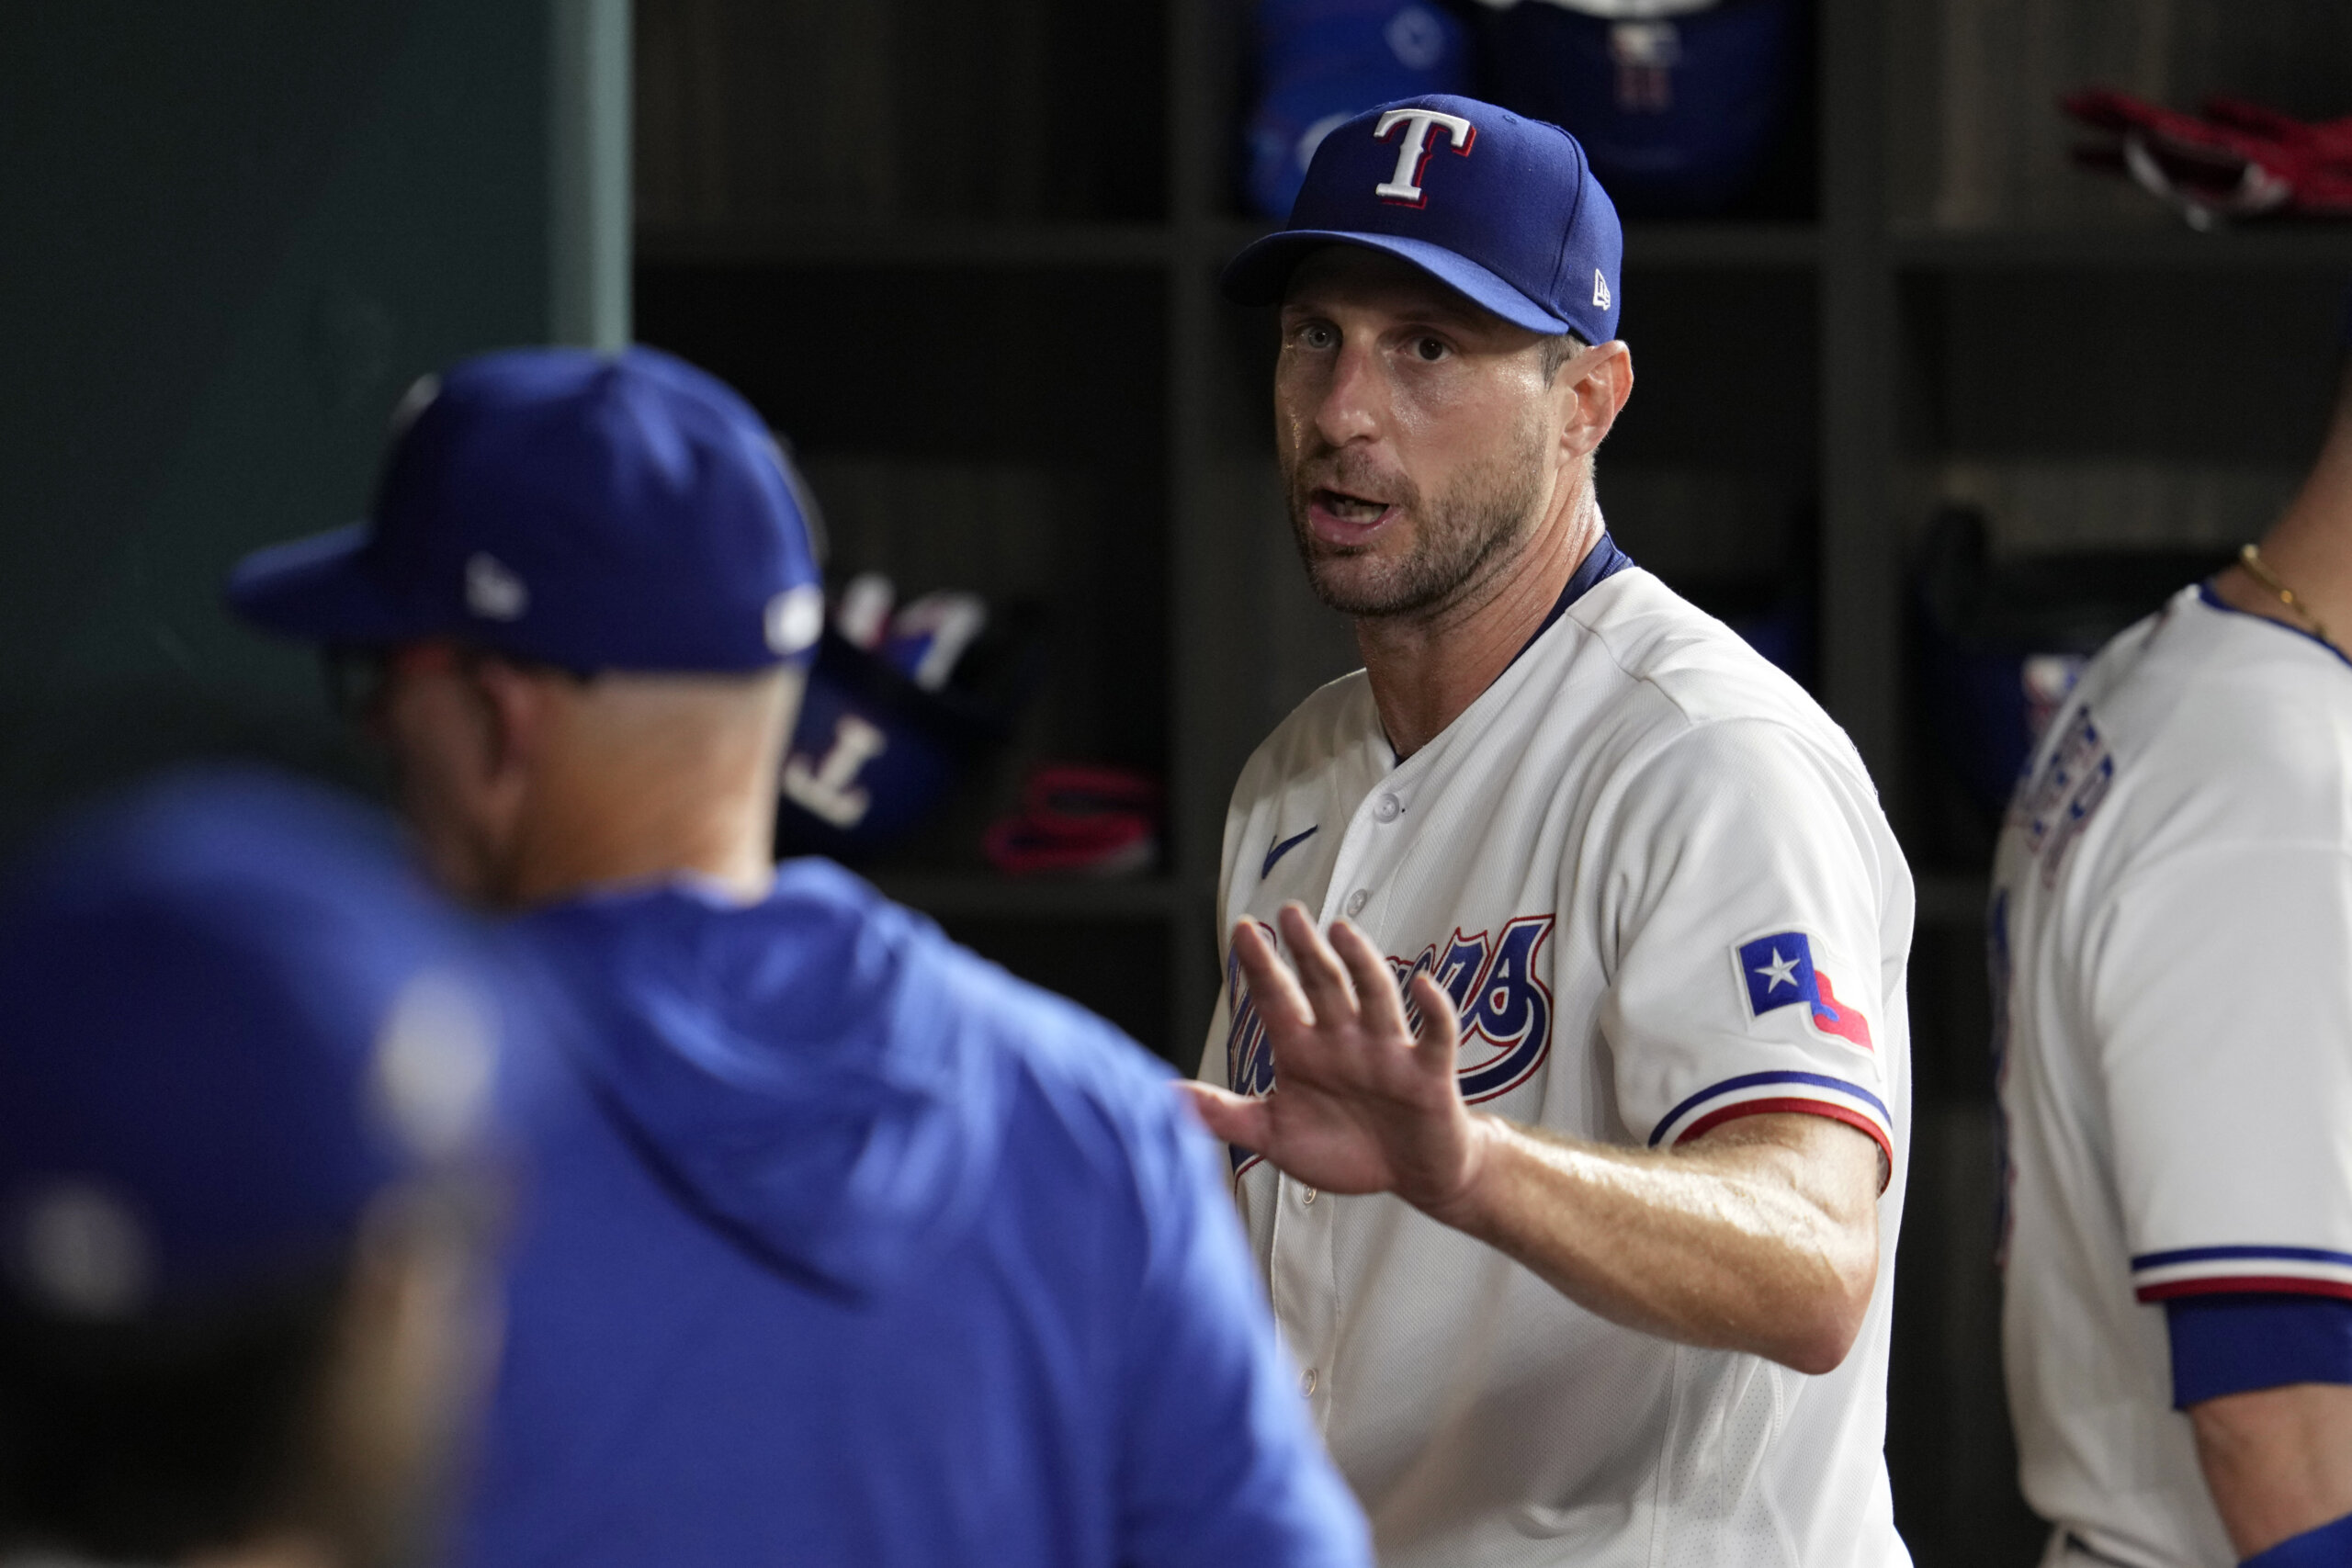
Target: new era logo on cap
[[493, 592], [1502, 208], [795, 619]]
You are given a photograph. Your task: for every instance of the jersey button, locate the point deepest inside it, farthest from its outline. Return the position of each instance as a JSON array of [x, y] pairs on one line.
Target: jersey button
[[1357, 901], [1306, 1382], [1307, 1196], [1387, 808]]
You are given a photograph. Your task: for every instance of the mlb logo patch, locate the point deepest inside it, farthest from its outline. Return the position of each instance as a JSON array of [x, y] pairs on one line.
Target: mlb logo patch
[[1780, 972]]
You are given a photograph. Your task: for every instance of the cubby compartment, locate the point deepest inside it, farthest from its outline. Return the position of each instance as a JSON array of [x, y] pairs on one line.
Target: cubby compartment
[[995, 431], [1115, 963], [778, 115], [1987, 150]]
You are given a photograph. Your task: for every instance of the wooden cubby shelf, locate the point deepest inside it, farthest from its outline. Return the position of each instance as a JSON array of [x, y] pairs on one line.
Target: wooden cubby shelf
[[1092, 245], [2253, 248]]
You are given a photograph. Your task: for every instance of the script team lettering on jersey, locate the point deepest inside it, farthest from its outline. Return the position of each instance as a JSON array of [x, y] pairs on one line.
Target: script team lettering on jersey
[[2054, 808], [1497, 991]]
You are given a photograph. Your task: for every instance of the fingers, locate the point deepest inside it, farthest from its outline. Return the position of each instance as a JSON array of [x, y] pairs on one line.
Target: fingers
[[1234, 1118], [1439, 1039], [1380, 1005], [1273, 986], [1320, 975]]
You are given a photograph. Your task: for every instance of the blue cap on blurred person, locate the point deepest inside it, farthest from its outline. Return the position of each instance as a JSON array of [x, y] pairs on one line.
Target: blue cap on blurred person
[[233, 1017], [593, 511], [1502, 208]]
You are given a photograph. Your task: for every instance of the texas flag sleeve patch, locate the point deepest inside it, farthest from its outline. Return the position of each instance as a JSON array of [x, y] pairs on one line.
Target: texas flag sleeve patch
[[1780, 972]]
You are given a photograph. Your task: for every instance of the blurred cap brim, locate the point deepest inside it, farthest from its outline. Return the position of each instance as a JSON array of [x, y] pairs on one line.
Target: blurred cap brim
[[318, 590], [1261, 272]]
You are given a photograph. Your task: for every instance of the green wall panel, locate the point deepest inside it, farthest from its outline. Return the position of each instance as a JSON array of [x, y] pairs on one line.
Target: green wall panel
[[230, 232]]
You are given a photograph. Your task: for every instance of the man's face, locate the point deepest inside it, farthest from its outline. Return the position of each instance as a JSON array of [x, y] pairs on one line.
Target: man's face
[[1418, 434]]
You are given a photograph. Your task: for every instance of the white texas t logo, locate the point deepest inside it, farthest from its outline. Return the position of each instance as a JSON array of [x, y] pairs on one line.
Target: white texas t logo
[[828, 790], [1405, 185]]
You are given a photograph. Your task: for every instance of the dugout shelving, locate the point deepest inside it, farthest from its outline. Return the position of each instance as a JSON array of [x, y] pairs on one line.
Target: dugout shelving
[[1026, 202], [913, 176]]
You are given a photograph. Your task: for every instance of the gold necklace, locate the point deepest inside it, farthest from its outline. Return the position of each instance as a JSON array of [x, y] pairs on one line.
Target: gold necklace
[[2257, 569]]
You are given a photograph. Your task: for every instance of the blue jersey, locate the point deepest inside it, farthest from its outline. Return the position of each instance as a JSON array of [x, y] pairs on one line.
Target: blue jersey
[[840, 1245]]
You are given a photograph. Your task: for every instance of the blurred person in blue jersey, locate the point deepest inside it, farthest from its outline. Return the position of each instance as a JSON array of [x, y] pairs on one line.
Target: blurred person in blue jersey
[[246, 1062], [843, 1246]]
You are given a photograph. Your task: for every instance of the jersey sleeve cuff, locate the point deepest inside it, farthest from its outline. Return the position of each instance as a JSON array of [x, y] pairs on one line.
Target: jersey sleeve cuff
[[1763, 1094], [2236, 1344], [2326, 1547], [2240, 1270]]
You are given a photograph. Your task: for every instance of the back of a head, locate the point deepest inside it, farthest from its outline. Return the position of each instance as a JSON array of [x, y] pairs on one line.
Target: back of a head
[[237, 1033], [622, 520]]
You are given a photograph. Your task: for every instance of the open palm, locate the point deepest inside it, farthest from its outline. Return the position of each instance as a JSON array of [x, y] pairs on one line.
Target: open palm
[[1361, 1102]]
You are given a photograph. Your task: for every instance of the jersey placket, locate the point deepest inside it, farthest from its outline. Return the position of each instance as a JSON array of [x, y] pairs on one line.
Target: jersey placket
[[1304, 1263]]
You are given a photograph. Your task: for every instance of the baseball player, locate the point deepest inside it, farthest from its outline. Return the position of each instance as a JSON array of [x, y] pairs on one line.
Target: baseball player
[[843, 1246], [2171, 942], [246, 1067], [1562, 1053]]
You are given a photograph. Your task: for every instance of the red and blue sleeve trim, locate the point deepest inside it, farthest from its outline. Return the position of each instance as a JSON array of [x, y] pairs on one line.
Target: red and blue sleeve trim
[[1759, 1094], [2221, 1270]]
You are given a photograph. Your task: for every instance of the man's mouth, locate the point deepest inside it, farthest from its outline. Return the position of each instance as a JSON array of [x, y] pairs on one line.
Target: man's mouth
[[1343, 517]]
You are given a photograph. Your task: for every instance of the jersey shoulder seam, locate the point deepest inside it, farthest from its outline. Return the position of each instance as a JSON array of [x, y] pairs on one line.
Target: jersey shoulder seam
[[1693, 728], [1249, 783], [1692, 722]]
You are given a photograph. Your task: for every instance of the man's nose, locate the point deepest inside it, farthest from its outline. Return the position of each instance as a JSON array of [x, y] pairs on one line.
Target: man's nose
[[1354, 399]]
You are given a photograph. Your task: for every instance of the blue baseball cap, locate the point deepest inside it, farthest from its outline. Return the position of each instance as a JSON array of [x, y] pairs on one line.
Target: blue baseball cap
[[594, 511], [233, 1017], [1502, 208]]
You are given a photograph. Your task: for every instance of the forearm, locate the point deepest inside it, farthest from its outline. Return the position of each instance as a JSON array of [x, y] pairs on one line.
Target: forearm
[[1756, 1238], [1760, 1236], [2278, 1460]]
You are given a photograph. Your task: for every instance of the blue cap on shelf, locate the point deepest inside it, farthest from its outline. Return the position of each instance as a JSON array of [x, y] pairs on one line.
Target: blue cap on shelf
[[234, 1017], [599, 511], [1502, 208], [1321, 63]]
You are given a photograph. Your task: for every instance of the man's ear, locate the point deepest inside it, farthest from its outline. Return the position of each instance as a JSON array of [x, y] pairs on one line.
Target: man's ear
[[1598, 380], [518, 707]]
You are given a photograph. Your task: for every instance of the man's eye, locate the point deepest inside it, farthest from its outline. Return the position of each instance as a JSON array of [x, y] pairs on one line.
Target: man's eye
[[1315, 334], [1430, 349]]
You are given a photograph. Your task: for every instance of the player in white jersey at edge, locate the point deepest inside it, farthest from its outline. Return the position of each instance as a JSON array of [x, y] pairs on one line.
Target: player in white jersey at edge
[[1585, 1242], [2171, 935]]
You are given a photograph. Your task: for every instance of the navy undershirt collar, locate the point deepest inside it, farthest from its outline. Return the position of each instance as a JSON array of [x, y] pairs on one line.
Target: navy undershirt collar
[[1603, 561]]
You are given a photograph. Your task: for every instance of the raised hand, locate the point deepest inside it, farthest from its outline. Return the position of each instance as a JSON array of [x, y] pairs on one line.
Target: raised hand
[[1362, 1101]]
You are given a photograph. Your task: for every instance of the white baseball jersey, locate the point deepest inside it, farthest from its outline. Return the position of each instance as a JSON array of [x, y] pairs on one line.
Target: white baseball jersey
[[2172, 906], [1654, 877]]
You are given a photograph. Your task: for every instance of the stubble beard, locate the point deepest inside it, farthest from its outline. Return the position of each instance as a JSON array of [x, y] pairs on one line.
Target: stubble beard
[[1457, 536]]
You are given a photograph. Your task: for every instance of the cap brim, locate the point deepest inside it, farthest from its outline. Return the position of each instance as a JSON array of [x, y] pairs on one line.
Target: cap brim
[[1261, 272], [317, 589]]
